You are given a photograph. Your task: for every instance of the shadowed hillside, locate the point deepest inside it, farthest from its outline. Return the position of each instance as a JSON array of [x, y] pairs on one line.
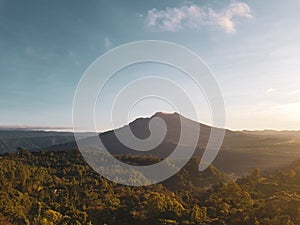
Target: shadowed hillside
[[240, 151]]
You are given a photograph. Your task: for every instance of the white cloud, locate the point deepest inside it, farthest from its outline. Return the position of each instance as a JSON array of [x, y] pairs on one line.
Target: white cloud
[[192, 16]]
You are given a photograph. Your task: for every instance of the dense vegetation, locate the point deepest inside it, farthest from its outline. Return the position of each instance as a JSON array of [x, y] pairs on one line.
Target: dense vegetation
[[60, 188]]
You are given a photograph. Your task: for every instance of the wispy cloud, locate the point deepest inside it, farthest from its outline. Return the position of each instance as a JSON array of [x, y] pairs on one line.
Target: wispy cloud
[[107, 43], [269, 91], [195, 17], [39, 53]]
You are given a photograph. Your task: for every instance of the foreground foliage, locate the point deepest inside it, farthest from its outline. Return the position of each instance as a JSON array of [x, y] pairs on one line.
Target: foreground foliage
[[60, 188]]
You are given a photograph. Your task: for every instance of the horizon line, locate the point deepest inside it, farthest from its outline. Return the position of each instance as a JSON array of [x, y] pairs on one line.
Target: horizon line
[[71, 129]]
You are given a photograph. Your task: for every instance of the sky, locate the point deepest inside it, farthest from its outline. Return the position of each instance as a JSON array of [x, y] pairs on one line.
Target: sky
[[252, 47]]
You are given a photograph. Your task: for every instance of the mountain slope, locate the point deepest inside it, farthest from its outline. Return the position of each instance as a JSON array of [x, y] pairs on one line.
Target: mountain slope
[[240, 152]]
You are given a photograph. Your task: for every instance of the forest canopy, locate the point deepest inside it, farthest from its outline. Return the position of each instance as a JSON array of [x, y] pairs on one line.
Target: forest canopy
[[60, 188]]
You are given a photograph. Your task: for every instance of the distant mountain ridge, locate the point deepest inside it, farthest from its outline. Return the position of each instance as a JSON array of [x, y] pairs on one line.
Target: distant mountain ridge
[[240, 151], [32, 140]]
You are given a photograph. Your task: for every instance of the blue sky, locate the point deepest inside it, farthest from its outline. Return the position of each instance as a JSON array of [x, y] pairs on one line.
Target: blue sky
[[253, 48]]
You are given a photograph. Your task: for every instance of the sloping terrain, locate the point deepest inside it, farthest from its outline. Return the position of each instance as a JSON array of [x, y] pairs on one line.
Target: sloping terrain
[[241, 150]]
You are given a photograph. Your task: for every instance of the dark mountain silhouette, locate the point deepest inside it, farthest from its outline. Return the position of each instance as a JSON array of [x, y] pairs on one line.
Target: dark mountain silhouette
[[240, 152], [140, 128]]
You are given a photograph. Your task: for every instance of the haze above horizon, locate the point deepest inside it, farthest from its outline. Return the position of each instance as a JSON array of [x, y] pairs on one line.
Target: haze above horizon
[[70, 129]]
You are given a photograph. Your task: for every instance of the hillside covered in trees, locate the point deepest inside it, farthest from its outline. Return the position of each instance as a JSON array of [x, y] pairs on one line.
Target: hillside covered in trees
[[60, 188]]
